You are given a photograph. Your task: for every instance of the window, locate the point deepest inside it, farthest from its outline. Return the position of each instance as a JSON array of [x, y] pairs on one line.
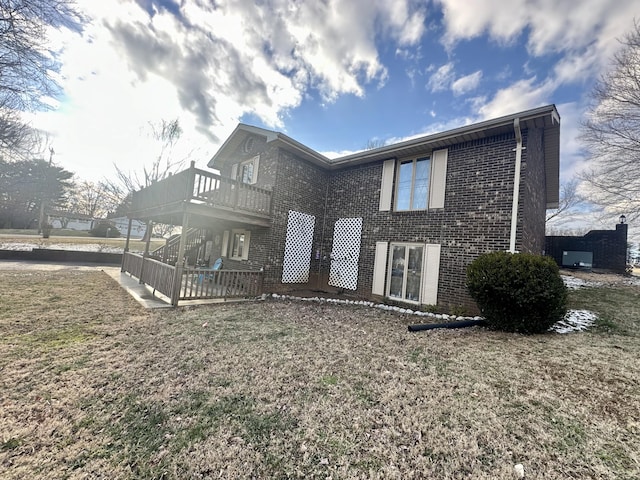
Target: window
[[405, 272], [412, 192], [236, 245], [418, 183], [247, 171]]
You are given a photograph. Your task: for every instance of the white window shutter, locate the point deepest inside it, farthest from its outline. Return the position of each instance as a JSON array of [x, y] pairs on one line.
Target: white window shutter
[[386, 186], [431, 275], [379, 265], [225, 244], [438, 178], [256, 164], [234, 171]]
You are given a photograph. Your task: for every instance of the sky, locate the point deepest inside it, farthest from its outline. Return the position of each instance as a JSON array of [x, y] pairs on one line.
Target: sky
[[333, 74]]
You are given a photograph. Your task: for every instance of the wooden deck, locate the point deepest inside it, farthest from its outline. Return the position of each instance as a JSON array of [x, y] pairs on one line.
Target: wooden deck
[[187, 283], [202, 194]]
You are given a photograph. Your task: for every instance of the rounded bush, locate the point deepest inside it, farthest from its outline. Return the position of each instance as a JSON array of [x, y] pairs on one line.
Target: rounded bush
[[519, 292], [107, 230]]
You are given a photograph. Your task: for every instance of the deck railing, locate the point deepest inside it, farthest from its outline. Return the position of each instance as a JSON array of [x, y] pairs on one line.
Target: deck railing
[[186, 283], [132, 263], [198, 283], [199, 186], [160, 276]]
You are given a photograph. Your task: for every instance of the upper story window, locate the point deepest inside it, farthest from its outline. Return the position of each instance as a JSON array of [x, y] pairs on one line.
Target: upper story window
[[412, 191], [247, 171], [414, 183]]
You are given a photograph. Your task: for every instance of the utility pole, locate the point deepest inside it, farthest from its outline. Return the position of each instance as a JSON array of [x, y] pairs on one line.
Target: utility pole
[[41, 222]]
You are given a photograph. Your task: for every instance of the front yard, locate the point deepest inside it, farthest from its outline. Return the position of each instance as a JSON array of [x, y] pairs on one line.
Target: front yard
[[93, 386]]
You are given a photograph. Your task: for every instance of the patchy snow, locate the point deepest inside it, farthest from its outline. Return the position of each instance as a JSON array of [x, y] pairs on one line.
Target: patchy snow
[[79, 247], [586, 279], [574, 320], [574, 283]]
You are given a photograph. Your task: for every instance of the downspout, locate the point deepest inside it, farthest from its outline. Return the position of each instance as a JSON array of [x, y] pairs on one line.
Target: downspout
[[516, 186]]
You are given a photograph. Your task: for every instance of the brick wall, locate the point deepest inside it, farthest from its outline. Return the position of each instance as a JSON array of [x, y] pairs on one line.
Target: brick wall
[[302, 187], [476, 218], [533, 202]]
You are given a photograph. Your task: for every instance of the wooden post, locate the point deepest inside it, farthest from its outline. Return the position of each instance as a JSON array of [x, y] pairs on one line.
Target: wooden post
[[191, 181], [146, 248], [126, 244], [180, 263]]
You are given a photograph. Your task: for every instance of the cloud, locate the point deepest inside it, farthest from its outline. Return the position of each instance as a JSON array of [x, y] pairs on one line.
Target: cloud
[[584, 29], [467, 83], [519, 96], [209, 64], [442, 78]]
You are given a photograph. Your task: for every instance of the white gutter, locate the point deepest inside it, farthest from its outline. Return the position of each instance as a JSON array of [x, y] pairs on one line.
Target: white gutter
[[516, 185]]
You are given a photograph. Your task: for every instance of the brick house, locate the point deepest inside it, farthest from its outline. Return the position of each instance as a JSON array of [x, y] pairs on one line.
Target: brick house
[[400, 222]]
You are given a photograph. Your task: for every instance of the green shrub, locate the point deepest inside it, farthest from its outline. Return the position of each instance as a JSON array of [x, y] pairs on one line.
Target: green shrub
[[517, 292], [104, 229]]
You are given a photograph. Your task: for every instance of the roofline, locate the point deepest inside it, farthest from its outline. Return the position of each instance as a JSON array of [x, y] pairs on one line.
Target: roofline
[[362, 156], [426, 143], [272, 136]]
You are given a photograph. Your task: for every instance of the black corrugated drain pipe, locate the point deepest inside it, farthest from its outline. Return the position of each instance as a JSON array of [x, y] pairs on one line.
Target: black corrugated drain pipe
[[433, 326]]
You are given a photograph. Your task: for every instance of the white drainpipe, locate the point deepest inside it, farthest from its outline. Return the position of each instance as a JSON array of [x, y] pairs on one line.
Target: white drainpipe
[[516, 186]]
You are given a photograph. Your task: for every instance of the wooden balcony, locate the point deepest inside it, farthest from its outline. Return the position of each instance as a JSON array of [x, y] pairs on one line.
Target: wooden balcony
[[203, 195]]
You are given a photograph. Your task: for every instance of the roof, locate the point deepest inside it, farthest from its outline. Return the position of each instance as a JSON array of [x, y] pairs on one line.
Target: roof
[[545, 117]]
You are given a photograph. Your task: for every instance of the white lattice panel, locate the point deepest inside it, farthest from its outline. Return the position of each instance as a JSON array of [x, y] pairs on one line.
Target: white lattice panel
[[345, 253], [298, 246]]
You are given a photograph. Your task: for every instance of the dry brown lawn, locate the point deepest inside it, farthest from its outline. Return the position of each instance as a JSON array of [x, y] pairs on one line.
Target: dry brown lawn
[[93, 386]]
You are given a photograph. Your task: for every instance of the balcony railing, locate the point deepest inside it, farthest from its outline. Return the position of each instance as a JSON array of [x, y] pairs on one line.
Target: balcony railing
[[201, 187]]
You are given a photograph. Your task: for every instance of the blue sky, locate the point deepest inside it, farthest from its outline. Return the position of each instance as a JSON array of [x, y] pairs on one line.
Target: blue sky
[[333, 74]]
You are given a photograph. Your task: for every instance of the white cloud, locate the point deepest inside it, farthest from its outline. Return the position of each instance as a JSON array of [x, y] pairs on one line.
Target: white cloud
[[442, 78], [521, 95], [209, 65], [585, 29], [467, 83]]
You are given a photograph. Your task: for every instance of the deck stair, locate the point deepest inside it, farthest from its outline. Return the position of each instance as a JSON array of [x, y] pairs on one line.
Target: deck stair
[[168, 253]]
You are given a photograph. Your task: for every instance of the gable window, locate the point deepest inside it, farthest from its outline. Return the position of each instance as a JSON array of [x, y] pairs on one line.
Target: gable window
[[412, 191], [247, 171]]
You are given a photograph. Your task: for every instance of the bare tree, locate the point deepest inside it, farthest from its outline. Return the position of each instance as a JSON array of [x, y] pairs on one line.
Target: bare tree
[[611, 133], [92, 199], [167, 133], [26, 64], [569, 200], [374, 143]]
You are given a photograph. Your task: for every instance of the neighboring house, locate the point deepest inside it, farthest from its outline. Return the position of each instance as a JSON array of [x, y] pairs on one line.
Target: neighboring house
[[598, 249], [400, 222], [71, 221], [122, 224]]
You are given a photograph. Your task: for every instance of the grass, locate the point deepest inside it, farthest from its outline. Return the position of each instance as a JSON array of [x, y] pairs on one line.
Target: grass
[[100, 388]]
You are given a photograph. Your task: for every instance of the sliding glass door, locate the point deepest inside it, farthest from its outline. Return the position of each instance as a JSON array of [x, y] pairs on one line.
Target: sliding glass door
[[405, 272]]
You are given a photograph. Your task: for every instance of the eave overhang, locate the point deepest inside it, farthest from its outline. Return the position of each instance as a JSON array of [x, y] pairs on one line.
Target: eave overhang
[[545, 117]]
